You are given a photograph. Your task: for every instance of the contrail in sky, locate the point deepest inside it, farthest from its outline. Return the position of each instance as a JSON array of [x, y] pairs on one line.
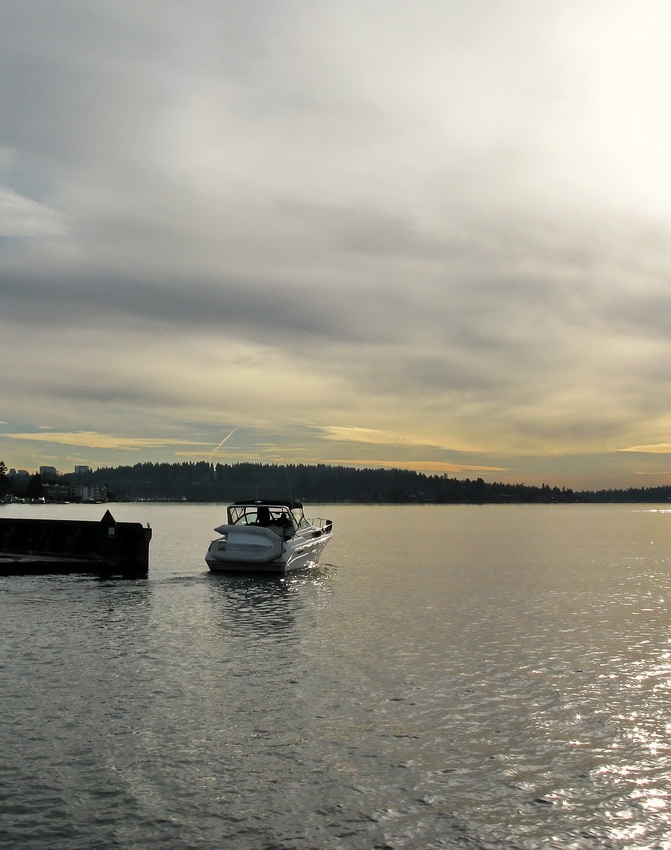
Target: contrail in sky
[[222, 442]]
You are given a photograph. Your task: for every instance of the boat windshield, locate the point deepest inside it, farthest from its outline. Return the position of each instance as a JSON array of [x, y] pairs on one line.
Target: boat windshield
[[299, 518], [263, 515]]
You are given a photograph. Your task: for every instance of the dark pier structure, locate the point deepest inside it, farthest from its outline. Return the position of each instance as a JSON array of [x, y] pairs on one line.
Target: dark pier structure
[[53, 546]]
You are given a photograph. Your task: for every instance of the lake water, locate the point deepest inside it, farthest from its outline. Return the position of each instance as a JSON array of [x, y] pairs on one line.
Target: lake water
[[450, 677]]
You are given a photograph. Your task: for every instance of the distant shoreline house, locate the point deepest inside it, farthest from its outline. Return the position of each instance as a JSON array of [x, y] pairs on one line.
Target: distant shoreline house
[[86, 493]]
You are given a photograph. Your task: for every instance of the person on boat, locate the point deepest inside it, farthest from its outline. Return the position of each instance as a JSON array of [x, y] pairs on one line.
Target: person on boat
[[263, 516]]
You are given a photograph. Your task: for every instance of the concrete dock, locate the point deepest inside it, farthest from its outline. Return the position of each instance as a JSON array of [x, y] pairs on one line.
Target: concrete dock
[[48, 546]]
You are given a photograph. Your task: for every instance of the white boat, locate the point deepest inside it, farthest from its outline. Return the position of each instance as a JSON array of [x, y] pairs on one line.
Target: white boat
[[265, 535]]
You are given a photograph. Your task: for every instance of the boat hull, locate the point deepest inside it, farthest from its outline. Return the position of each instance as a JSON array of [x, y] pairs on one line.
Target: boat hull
[[298, 553]]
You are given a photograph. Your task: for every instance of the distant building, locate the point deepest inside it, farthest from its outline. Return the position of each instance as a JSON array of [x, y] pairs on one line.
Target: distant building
[[82, 470], [96, 493], [75, 493], [47, 472], [56, 492]]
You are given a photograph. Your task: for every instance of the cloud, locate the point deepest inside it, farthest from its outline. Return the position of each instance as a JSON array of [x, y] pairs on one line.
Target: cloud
[[93, 439], [20, 216], [438, 230], [426, 466], [353, 433], [659, 448]]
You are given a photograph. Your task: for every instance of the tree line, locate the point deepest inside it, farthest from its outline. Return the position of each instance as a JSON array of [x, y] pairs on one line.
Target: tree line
[[206, 482]]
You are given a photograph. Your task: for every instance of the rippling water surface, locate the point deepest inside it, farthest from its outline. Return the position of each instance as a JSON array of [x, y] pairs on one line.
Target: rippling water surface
[[467, 677]]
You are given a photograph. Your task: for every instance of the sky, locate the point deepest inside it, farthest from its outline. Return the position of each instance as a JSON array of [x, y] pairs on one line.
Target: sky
[[422, 234]]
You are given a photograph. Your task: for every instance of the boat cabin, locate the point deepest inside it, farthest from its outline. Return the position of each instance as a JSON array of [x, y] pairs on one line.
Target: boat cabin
[[281, 516]]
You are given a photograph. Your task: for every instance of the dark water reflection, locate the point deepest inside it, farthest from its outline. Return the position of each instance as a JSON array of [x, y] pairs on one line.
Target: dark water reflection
[[251, 606], [451, 677]]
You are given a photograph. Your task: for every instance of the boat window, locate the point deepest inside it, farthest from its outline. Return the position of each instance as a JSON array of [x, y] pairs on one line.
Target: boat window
[[299, 518], [241, 515]]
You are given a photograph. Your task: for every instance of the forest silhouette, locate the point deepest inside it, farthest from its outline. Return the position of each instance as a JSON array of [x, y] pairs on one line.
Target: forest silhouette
[[206, 482]]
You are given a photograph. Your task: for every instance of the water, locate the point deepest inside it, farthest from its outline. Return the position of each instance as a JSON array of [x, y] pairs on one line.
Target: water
[[451, 677]]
